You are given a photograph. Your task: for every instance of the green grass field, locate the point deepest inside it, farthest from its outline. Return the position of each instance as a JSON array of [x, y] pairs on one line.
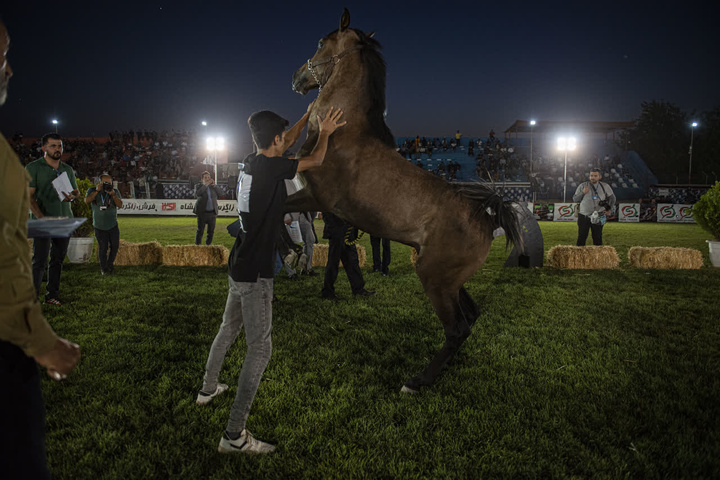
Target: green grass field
[[602, 374]]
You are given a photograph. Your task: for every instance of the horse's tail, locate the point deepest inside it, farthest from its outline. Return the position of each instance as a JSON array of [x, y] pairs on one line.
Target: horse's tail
[[502, 212]]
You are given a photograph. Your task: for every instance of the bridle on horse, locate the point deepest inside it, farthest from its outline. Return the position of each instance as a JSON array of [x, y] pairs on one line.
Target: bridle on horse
[[334, 60]]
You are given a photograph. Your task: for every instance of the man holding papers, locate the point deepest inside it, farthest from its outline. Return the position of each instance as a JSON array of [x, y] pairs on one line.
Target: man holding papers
[[49, 180]]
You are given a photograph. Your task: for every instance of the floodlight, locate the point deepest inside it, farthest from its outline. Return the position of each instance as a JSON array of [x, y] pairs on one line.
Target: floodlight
[[532, 123]]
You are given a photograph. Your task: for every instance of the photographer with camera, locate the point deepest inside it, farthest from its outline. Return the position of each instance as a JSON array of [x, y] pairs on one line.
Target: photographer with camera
[[596, 201], [104, 200]]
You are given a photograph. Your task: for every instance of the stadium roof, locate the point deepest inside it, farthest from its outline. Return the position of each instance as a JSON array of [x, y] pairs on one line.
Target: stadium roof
[[523, 126]]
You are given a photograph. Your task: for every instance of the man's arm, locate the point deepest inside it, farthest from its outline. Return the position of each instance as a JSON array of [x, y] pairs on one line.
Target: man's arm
[[579, 193], [199, 190], [327, 126], [116, 198], [34, 207], [293, 134]]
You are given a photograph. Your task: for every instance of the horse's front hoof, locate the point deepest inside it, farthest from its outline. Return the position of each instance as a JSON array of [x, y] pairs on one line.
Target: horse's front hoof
[[407, 390]]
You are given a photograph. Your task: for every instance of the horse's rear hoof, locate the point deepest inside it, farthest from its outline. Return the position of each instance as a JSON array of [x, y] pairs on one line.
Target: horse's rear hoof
[[410, 391]]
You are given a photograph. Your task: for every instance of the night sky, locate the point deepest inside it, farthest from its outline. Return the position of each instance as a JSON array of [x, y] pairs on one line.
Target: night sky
[[100, 66]]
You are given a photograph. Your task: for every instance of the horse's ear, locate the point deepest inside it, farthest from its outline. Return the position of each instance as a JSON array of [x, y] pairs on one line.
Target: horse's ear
[[345, 20], [371, 34]]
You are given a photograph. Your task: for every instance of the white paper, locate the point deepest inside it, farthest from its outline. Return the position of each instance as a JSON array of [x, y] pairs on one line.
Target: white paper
[[62, 184]]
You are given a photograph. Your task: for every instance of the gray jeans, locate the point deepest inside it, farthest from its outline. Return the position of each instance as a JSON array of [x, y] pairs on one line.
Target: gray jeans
[[248, 305], [308, 236]]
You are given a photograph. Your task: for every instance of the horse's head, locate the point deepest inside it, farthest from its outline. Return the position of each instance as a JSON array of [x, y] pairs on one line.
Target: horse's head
[[316, 72]]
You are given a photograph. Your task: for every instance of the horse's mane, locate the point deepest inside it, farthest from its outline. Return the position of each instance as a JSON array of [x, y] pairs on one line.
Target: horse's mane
[[376, 69], [376, 72]]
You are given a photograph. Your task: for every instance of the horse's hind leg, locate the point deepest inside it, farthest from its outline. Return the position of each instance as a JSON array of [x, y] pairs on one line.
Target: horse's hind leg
[[469, 308], [457, 313]]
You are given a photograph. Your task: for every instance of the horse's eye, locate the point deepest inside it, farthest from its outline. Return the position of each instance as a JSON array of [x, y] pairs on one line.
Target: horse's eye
[[320, 44]]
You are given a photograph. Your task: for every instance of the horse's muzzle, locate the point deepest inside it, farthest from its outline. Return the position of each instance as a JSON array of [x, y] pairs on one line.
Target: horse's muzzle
[[299, 83]]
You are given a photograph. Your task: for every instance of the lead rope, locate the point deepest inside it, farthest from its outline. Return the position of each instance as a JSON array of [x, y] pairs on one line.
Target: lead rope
[[347, 237]]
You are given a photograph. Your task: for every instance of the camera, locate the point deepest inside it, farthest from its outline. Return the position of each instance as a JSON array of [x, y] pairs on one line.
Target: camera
[[604, 204], [107, 186]]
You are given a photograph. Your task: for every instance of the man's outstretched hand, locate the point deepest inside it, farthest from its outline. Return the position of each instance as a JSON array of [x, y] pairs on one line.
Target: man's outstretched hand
[[331, 121]]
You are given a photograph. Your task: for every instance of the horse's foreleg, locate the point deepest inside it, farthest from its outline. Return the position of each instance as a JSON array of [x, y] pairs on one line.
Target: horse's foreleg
[[457, 312], [302, 201]]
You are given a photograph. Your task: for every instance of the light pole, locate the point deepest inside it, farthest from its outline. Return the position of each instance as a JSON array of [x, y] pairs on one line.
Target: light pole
[[55, 122], [532, 168], [532, 124], [565, 144], [692, 132], [213, 145]]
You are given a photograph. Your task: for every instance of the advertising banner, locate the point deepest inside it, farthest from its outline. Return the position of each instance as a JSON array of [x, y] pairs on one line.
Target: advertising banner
[[674, 213], [629, 212], [564, 212], [138, 206]]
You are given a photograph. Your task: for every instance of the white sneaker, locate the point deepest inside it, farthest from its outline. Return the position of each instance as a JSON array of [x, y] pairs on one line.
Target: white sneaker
[[245, 443], [291, 260], [205, 398], [302, 263]]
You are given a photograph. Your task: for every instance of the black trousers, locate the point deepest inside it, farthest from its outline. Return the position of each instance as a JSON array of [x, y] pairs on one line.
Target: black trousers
[[22, 416], [205, 218], [338, 250], [379, 264], [41, 250], [585, 226], [107, 238]]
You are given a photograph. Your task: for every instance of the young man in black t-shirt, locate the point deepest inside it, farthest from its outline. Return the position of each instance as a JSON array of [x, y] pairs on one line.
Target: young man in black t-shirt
[[261, 195]]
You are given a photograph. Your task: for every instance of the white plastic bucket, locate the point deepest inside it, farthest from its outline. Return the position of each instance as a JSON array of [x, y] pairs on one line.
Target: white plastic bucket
[[80, 249]]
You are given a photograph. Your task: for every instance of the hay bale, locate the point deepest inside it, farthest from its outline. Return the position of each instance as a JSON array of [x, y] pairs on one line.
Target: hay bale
[[195, 255], [594, 257], [149, 253], [665, 257], [320, 255], [362, 256], [413, 256]]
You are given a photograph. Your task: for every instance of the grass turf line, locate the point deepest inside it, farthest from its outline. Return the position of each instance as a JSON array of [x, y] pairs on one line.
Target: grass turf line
[[567, 373]]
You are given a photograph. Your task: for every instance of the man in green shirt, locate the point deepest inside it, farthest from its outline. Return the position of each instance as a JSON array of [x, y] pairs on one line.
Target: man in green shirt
[[44, 201], [105, 200]]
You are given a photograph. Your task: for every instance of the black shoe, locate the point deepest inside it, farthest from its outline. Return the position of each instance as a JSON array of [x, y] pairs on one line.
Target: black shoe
[[294, 277], [332, 297], [111, 269], [365, 293], [103, 271], [385, 273], [375, 270], [311, 273]]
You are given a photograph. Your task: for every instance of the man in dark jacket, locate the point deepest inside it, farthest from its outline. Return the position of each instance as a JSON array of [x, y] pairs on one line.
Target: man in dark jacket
[[206, 207], [338, 249]]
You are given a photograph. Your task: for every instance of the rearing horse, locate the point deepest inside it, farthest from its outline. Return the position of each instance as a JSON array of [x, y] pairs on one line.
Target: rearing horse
[[367, 183]]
